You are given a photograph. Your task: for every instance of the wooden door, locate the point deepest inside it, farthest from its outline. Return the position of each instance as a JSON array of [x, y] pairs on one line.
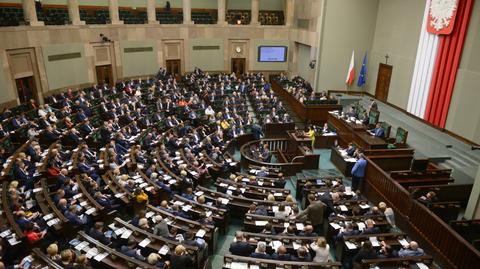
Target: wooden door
[[383, 82], [104, 74], [238, 66], [26, 89], [174, 67]]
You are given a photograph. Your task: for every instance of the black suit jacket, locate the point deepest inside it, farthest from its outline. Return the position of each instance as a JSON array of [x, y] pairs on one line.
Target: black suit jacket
[[180, 262], [241, 248]]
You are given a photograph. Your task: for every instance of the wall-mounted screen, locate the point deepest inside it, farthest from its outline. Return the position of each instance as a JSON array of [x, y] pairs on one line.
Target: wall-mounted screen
[[272, 54]]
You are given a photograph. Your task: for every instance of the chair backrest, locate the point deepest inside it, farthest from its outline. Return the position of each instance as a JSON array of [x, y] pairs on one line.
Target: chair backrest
[[401, 136], [373, 117], [386, 128]]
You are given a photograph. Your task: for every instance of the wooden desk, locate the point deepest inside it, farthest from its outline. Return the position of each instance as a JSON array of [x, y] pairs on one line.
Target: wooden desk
[[315, 114], [325, 141], [342, 165], [356, 133]]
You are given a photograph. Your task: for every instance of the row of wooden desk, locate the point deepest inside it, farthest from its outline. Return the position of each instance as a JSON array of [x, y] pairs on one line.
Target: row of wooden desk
[[356, 133], [315, 114]]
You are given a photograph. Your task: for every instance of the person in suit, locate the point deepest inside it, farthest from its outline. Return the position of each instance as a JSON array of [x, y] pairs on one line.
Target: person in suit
[[260, 251], [281, 254], [366, 252], [50, 135], [314, 213], [240, 247], [263, 172], [308, 232], [347, 231], [358, 172], [378, 131], [130, 250], [161, 227], [74, 218], [302, 255], [96, 232], [180, 259], [411, 251], [257, 131], [370, 227], [351, 113]]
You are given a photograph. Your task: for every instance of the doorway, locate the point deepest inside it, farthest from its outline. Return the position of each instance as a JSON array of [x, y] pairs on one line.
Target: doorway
[[26, 89], [238, 66], [104, 74], [383, 82], [174, 67]]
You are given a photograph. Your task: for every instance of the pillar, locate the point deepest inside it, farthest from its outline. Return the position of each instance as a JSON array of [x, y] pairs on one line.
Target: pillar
[[74, 13], [473, 207], [187, 12], [113, 10], [289, 12], [221, 10], [151, 12], [255, 10], [30, 14]]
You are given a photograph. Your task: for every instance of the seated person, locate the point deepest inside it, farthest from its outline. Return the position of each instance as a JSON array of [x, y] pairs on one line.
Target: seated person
[[96, 232], [131, 251], [377, 131], [411, 251], [240, 247], [351, 149], [370, 229], [386, 251], [302, 255], [281, 254], [430, 197], [351, 113], [260, 251], [308, 231], [366, 252]]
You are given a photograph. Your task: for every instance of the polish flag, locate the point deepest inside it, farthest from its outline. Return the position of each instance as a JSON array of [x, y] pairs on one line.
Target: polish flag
[[351, 71]]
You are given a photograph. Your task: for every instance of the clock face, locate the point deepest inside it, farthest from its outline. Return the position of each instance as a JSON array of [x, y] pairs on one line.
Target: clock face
[[238, 49]]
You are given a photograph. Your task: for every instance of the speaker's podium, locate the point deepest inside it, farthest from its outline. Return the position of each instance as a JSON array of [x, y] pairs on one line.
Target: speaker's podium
[[301, 144]]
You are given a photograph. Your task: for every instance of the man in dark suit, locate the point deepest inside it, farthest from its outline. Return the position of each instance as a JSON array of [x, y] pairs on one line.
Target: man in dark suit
[[74, 218], [130, 250], [314, 213], [86, 128], [260, 251], [378, 131], [97, 233], [370, 229], [240, 247], [282, 254]]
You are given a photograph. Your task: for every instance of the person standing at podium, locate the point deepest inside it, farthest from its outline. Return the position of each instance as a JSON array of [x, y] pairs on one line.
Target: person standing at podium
[[311, 135]]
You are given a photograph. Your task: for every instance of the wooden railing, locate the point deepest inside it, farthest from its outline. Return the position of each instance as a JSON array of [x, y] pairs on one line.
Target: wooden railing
[[273, 145], [449, 248]]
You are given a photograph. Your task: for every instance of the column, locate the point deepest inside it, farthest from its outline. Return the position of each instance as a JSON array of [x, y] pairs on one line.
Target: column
[[151, 12], [113, 10], [30, 14], [221, 10], [74, 13], [473, 207], [187, 12], [255, 9], [289, 12]]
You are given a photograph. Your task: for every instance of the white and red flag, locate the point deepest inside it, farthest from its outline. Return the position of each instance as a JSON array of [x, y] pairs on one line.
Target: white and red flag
[[351, 71]]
